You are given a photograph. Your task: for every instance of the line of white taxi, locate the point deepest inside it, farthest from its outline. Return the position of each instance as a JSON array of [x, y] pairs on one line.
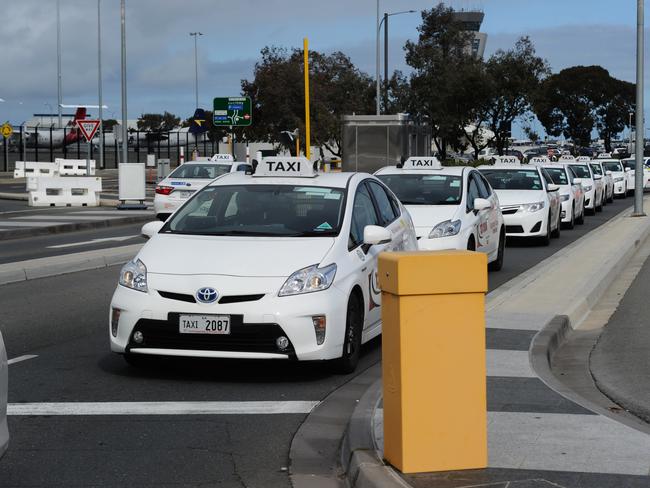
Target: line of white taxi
[[282, 264]]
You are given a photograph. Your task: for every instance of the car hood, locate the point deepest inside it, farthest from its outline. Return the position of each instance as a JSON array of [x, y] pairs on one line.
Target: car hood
[[425, 217], [233, 256], [517, 197]]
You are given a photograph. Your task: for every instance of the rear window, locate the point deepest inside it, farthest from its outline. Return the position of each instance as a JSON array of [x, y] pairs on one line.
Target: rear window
[[581, 170], [558, 175], [205, 171], [513, 179]]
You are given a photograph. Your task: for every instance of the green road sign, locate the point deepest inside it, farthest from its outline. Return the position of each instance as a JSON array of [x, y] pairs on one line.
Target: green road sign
[[233, 111]]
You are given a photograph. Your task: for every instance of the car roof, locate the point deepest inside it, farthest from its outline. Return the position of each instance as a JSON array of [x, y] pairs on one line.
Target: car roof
[[509, 166], [445, 170], [334, 180]]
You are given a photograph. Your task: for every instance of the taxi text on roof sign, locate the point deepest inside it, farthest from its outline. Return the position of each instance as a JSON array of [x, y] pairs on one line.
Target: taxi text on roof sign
[[506, 160], [567, 157], [285, 166], [540, 160], [422, 163], [222, 157], [583, 159]]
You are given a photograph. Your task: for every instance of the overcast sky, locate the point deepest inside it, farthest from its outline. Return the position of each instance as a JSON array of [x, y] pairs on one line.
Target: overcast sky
[[161, 57]]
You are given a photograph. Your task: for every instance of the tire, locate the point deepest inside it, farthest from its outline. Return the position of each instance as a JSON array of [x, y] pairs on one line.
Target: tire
[[136, 360], [546, 240], [599, 208], [349, 359], [471, 244], [556, 233], [572, 223], [498, 263], [611, 197]]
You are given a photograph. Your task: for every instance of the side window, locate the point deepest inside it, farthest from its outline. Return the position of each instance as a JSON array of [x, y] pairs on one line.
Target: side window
[[483, 186], [363, 213], [569, 174], [472, 193], [546, 176], [385, 208]]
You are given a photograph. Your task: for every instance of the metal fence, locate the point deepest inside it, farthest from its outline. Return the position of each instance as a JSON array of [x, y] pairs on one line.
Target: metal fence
[[48, 143]]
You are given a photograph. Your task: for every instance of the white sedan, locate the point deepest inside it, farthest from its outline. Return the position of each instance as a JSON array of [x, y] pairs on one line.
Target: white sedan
[[593, 185], [280, 265], [630, 166], [572, 195], [618, 174], [188, 178], [608, 181], [529, 201], [452, 207], [4, 432]]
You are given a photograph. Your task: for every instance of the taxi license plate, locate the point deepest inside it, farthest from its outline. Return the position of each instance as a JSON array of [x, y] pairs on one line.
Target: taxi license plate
[[185, 194], [204, 324]]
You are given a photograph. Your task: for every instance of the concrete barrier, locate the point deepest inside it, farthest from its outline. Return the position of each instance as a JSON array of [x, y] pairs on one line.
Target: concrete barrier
[[74, 167], [26, 169], [80, 191]]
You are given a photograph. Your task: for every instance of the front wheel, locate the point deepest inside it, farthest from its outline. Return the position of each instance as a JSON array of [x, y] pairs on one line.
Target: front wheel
[[556, 233], [498, 263], [349, 360], [546, 239]]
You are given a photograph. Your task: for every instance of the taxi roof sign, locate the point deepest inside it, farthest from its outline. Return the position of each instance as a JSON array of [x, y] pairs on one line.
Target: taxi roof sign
[[567, 157], [422, 163], [222, 157], [514, 160], [583, 159], [281, 166], [604, 156], [540, 160]]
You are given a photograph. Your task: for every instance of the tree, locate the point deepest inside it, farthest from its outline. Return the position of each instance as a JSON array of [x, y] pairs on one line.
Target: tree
[[442, 65], [158, 122], [337, 88], [613, 109], [514, 76]]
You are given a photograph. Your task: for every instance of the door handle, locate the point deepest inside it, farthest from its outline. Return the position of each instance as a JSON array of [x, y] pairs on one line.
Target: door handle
[[364, 268]]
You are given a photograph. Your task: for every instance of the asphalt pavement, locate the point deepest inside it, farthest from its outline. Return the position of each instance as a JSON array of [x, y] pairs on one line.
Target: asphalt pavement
[[62, 321]]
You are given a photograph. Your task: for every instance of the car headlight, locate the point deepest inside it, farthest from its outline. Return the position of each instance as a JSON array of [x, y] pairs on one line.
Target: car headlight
[[618, 179], [134, 275], [587, 187], [308, 280], [565, 197], [445, 229], [532, 207]]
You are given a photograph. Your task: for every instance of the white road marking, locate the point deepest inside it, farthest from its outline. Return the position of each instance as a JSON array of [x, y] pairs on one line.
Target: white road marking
[[66, 217], [22, 358], [119, 213], [512, 364], [93, 241], [162, 408]]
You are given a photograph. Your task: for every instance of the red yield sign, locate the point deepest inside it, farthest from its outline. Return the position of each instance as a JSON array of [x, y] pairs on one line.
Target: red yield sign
[[88, 128]]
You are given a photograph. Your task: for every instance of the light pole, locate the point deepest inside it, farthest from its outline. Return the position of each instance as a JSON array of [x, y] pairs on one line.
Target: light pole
[[639, 145], [99, 84], [630, 126], [377, 81], [48, 104], [58, 60], [196, 67], [125, 145], [384, 20]]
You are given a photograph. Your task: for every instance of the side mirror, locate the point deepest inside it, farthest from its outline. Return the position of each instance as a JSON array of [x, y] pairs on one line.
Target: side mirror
[[374, 234], [481, 204], [608, 173], [552, 187], [598, 177], [627, 170], [151, 228], [577, 181]]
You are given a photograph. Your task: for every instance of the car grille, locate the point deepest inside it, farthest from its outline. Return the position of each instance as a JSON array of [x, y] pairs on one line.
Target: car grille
[[509, 210], [164, 334], [514, 229], [183, 297]]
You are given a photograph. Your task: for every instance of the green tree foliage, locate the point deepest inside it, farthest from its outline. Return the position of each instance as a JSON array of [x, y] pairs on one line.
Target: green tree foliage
[[578, 99], [337, 88], [158, 122], [444, 72], [514, 77]]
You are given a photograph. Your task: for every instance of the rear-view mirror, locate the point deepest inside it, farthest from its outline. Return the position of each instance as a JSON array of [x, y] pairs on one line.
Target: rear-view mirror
[[151, 228], [481, 204], [374, 234], [553, 187]]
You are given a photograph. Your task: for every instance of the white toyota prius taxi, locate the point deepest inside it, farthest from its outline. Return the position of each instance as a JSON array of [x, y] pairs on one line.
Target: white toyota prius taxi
[[279, 265], [452, 207], [173, 191], [529, 200]]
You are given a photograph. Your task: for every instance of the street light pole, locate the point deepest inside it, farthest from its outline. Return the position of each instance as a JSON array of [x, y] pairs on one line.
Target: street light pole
[[196, 67], [99, 84], [58, 60], [125, 144], [639, 144], [385, 22], [378, 81]]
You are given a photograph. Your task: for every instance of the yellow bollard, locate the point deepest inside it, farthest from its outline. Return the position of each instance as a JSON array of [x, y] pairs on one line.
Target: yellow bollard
[[433, 359]]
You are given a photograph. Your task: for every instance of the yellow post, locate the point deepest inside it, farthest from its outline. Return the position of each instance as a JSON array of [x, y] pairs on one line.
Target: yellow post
[[433, 359], [305, 45]]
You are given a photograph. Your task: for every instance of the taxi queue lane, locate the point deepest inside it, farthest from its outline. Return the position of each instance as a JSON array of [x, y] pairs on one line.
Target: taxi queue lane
[[67, 331]]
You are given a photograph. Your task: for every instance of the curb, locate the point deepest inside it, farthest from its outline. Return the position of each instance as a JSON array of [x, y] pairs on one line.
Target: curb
[[67, 263]]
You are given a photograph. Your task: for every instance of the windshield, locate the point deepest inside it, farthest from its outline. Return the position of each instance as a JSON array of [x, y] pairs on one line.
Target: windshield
[[425, 189], [261, 210], [613, 166], [513, 179], [205, 171], [581, 170], [595, 167], [558, 175]]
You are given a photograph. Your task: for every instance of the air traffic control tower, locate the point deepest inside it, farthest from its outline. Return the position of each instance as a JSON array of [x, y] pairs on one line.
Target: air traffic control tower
[[472, 21]]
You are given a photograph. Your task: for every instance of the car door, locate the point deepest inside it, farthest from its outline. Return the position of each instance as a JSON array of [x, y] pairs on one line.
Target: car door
[[477, 220], [364, 212], [553, 197], [489, 217]]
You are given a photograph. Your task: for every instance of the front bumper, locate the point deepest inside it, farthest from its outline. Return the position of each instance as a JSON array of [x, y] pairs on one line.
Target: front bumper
[[566, 211], [442, 243], [619, 187], [526, 224], [590, 199], [255, 325]]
